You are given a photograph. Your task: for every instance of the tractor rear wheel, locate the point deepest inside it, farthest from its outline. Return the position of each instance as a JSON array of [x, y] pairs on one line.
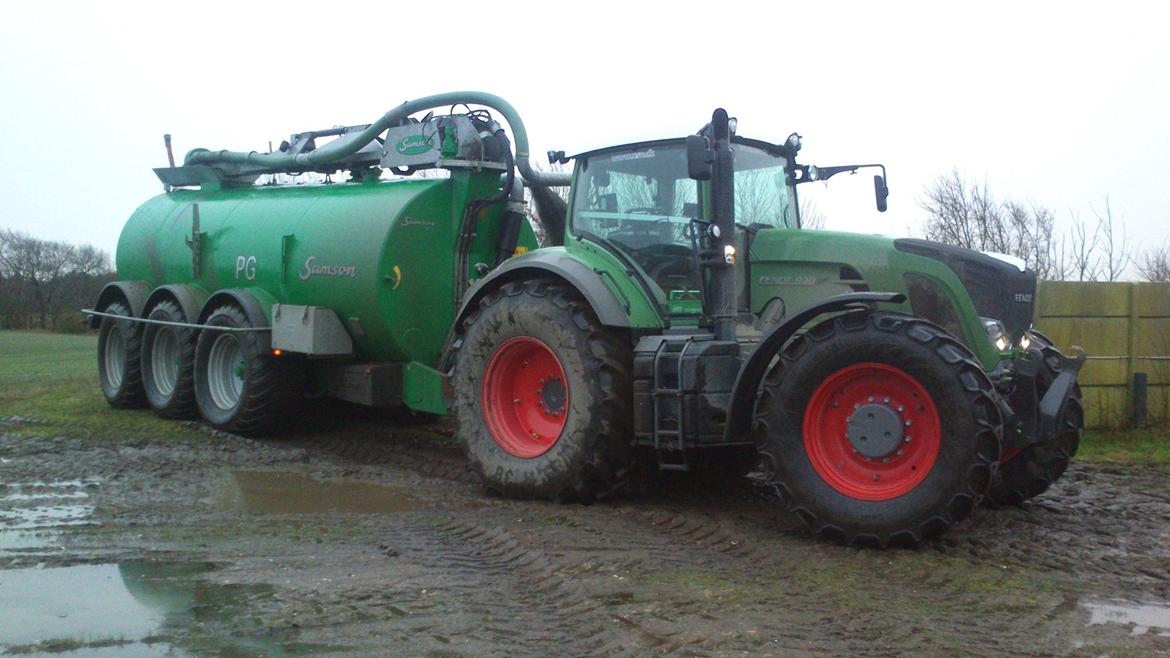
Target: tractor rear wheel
[[168, 363], [119, 362], [542, 395], [1025, 473], [240, 386], [878, 429]]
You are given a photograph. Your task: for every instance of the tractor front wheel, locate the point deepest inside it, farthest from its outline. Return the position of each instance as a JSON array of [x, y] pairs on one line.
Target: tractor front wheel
[[542, 395], [878, 429]]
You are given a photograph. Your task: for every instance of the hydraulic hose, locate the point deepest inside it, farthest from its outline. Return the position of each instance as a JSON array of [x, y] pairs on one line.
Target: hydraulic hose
[[276, 162]]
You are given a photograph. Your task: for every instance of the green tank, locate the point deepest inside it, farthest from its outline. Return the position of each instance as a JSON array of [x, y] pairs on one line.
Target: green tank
[[373, 252]]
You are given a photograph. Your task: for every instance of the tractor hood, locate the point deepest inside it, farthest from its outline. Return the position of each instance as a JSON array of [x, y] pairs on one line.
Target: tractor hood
[[999, 289]]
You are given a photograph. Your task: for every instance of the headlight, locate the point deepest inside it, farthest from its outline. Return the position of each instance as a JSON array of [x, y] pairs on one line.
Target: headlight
[[997, 333], [1026, 342]]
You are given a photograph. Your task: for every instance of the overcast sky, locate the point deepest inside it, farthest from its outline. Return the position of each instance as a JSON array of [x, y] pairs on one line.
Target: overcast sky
[[1056, 103]]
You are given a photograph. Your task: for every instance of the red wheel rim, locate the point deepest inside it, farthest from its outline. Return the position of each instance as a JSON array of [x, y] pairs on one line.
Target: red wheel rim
[[525, 397], [1010, 454], [899, 401]]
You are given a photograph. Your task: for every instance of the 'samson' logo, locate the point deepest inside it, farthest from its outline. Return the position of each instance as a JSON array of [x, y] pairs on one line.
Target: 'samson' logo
[[312, 269], [415, 144]]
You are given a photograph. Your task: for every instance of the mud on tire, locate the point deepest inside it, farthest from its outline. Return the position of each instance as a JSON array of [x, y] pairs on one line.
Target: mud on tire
[[168, 363], [592, 453], [934, 380], [1026, 473], [240, 386], [119, 358]]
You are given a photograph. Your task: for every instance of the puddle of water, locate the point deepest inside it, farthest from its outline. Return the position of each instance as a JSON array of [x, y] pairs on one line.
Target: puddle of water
[[29, 542], [88, 603], [138, 608], [283, 492], [1144, 617], [32, 518], [27, 529]]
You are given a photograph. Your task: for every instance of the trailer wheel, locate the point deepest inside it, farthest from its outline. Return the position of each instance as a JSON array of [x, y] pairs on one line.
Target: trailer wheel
[[240, 386], [1025, 473], [119, 365], [168, 363], [878, 429], [542, 395]]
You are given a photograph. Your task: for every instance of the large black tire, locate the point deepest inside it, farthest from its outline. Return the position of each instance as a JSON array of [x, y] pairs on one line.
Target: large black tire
[[528, 335], [931, 450], [240, 386], [1027, 473], [168, 363], [119, 358]]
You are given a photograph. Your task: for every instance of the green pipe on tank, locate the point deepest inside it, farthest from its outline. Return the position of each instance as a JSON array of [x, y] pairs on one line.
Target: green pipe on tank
[[335, 151]]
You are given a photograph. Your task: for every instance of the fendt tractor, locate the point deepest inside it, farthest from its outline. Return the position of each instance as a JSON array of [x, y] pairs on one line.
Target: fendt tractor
[[675, 315]]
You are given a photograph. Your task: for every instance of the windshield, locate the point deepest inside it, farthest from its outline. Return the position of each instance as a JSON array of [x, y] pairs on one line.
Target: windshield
[[642, 202]]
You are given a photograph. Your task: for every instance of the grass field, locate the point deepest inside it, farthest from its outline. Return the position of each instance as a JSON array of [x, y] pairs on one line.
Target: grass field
[[53, 378]]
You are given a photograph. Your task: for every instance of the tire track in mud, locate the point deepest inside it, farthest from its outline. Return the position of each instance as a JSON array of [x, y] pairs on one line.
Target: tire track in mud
[[478, 588]]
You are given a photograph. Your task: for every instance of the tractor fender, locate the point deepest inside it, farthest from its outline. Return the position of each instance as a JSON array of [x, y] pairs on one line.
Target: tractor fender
[[191, 299], [611, 311], [134, 293], [751, 375]]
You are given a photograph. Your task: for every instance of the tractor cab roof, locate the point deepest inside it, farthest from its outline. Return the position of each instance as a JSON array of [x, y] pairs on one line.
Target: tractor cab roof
[[775, 149]]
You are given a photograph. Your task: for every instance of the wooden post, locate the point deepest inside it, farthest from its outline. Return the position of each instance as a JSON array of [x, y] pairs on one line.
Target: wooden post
[[1132, 348], [1141, 396]]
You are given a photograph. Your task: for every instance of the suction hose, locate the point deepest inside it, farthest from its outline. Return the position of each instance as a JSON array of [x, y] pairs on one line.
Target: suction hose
[[276, 162]]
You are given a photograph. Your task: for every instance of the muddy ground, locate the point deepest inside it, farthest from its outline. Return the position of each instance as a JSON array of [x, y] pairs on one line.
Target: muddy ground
[[327, 543]]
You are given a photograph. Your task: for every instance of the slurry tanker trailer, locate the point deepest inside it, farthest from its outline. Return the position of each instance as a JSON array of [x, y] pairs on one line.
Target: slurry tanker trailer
[[675, 314]]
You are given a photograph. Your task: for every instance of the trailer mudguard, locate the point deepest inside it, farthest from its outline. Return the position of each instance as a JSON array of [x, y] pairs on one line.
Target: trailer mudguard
[[133, 292], [747, 383], [591, 282], [255, 302], [190, 299]]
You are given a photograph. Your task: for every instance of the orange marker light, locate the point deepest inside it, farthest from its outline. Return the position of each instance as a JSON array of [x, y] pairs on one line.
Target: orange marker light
[[277, 352]]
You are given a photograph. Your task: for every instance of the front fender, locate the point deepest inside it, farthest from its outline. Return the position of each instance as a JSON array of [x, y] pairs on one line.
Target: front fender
[[747, 383]]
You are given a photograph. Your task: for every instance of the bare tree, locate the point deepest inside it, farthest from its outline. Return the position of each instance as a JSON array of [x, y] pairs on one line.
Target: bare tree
[[40, 273], [1082, 250], [966, 214], [1154, 264], [1115, 249], [1098, 250]]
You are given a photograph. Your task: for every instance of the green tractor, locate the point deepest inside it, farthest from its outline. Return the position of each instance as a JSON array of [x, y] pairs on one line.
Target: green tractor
[[677, 316]]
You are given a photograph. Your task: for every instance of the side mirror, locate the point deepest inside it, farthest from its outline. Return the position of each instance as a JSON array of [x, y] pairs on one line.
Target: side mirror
[[700, 157], [881, 192]]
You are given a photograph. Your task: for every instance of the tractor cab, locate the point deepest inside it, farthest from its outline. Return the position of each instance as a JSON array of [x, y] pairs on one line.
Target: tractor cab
[[644, 203], [639, 202]]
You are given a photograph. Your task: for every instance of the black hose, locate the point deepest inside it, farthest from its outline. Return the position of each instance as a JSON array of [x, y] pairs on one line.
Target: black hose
[[471, 218]]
